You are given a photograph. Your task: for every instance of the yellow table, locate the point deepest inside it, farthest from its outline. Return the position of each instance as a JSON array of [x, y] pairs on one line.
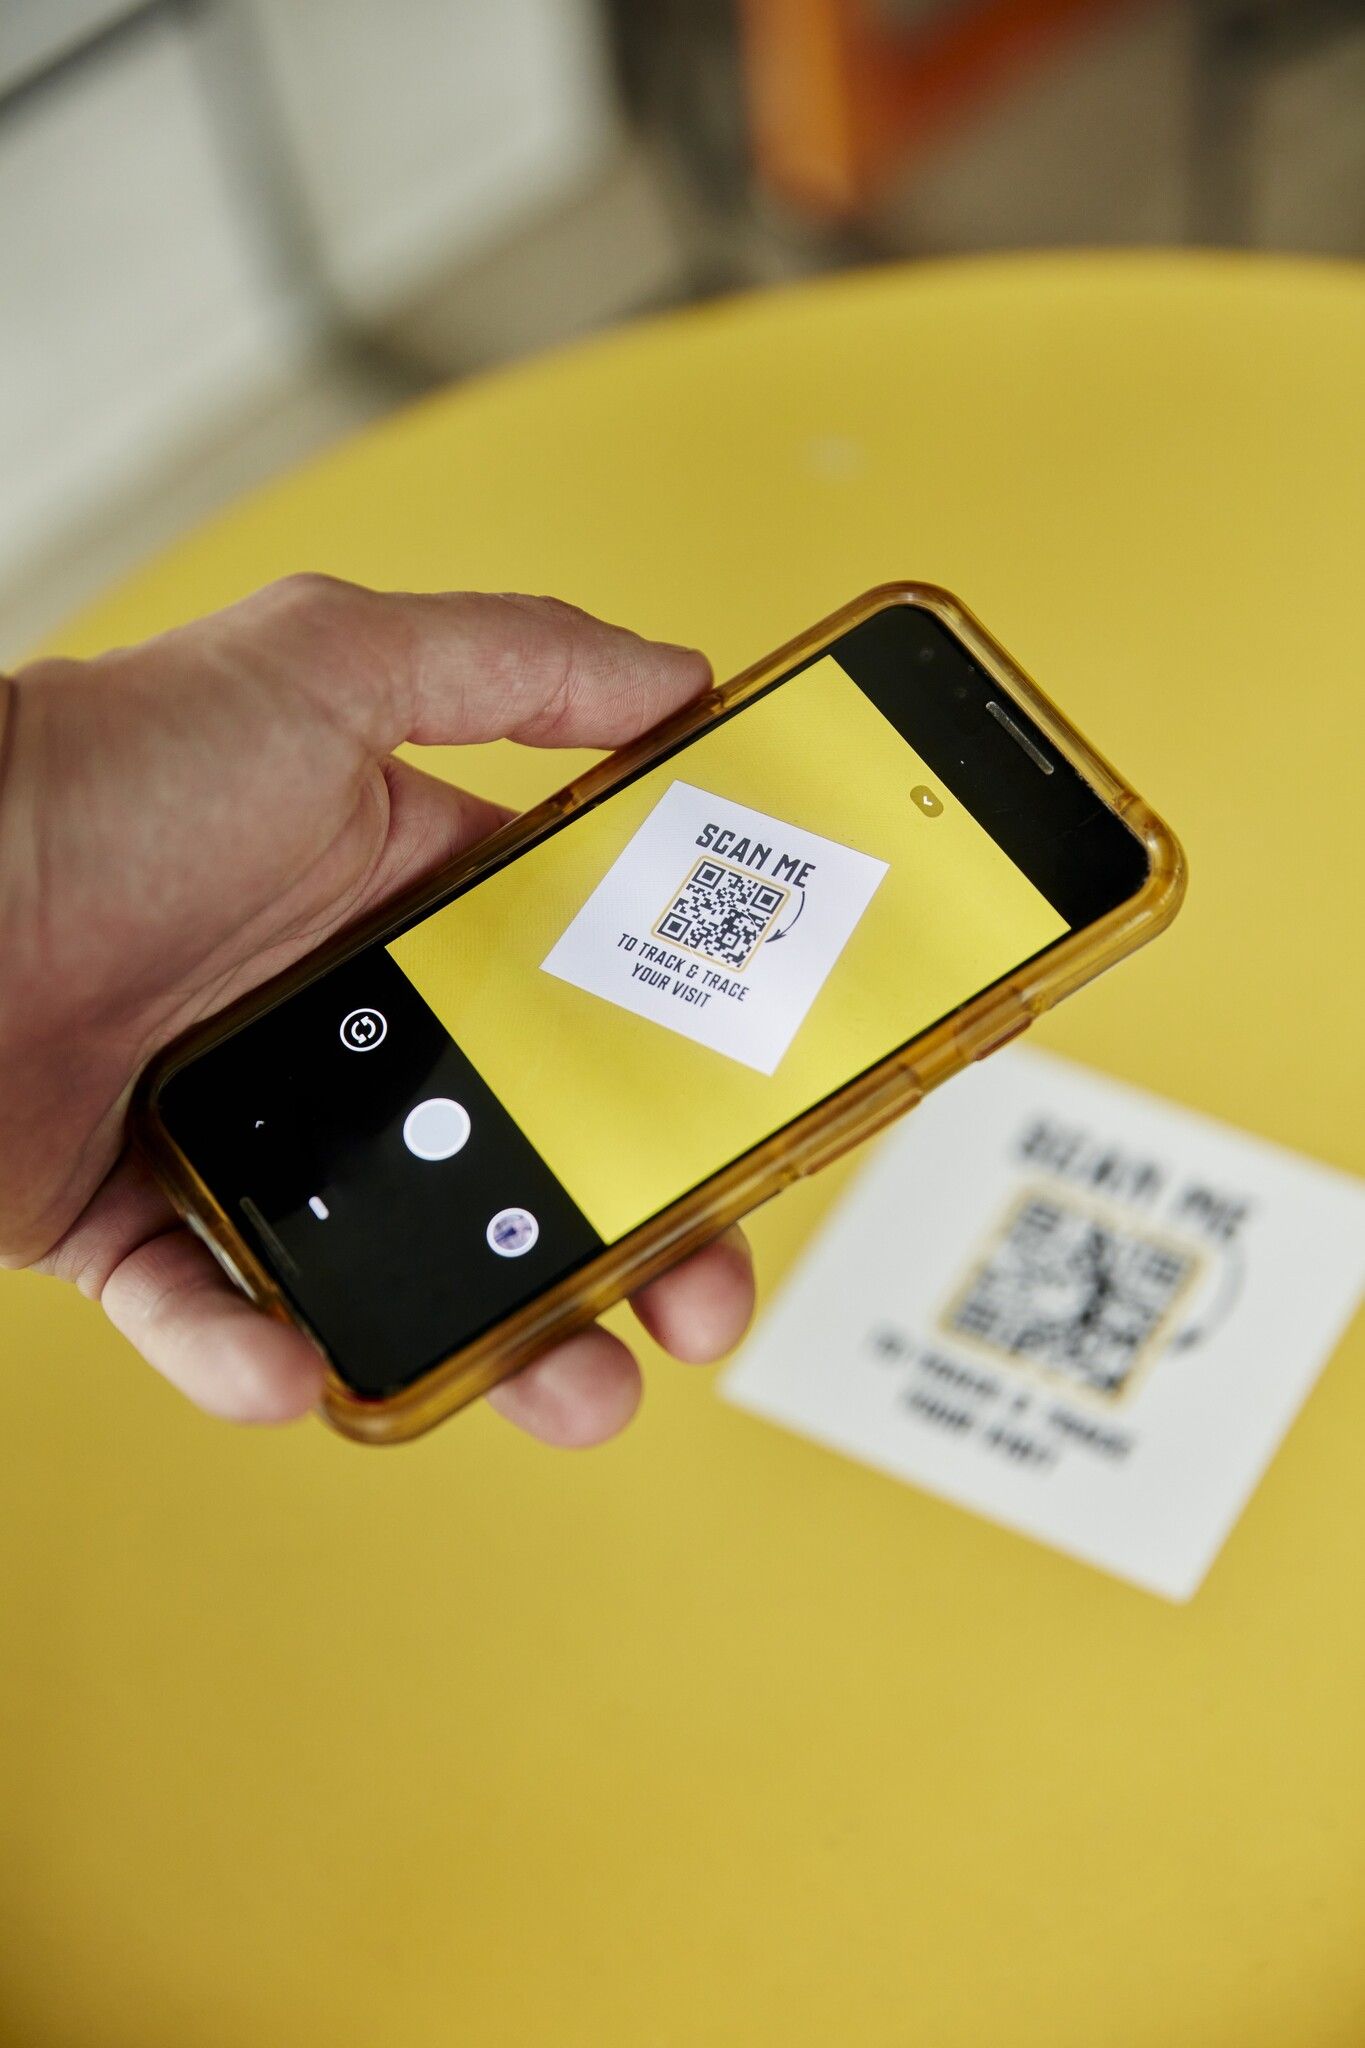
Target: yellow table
[[713, 1738]]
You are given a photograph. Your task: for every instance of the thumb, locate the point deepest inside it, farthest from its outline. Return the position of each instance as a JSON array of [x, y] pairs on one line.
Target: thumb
[[460, 667]]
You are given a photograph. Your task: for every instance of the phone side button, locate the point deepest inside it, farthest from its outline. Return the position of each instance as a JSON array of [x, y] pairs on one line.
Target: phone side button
[[224, 1258], [1004, 1036], [882, 1110]]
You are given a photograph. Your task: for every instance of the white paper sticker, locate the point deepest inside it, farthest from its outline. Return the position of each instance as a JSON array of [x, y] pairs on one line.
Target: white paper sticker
[[1079, 1310], [718, 922]]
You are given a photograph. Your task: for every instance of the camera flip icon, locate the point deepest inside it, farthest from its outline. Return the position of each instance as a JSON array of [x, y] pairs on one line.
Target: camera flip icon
[[363, 1030]]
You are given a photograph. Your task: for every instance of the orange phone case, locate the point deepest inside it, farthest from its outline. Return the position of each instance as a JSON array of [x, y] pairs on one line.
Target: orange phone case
[[978, 1027]]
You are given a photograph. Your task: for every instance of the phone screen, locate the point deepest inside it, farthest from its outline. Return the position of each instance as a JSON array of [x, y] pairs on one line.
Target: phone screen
[[435, 1131]]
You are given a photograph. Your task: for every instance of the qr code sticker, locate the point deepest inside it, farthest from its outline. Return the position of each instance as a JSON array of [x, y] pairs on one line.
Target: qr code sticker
[[1074, 1293], [722, 913]]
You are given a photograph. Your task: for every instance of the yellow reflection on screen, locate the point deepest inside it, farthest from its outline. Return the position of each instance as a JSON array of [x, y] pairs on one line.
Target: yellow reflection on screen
[[628, 1114]]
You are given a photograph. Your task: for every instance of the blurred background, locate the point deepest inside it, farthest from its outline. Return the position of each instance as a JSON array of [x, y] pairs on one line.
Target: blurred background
[[230, 230]]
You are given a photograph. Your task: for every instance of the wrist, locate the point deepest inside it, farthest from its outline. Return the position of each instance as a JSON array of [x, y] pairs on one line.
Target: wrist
[[21, 977]]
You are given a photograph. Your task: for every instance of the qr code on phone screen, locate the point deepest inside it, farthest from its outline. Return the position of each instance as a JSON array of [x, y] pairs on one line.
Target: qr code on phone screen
[[722, 913], [1073, 1292]]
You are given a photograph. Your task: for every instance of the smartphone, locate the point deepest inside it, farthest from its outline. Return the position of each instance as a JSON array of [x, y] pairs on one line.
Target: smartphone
[[713, 963]]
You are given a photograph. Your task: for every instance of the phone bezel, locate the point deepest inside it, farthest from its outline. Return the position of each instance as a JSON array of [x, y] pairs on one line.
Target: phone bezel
[[852, 1113]]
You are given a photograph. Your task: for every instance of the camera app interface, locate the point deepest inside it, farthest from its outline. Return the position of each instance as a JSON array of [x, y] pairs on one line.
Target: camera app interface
[[436, 1131]]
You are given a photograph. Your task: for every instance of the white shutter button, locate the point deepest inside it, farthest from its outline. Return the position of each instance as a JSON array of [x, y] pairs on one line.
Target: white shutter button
[[437, 1129]]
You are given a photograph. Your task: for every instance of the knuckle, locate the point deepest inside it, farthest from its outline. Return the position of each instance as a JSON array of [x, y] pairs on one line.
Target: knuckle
[[310, 597], [333, 642], [68, 1260], [555, 610], [561, 647]]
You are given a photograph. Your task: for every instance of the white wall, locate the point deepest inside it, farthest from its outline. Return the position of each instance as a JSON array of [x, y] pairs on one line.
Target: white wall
[[427, 129], [136, 308]]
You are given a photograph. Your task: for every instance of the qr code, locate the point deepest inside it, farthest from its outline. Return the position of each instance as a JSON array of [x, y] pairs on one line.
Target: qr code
[[1073, 1292], [722, 913]]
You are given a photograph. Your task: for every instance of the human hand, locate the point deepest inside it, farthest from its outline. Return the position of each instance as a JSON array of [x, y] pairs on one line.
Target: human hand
[[181, 820]]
